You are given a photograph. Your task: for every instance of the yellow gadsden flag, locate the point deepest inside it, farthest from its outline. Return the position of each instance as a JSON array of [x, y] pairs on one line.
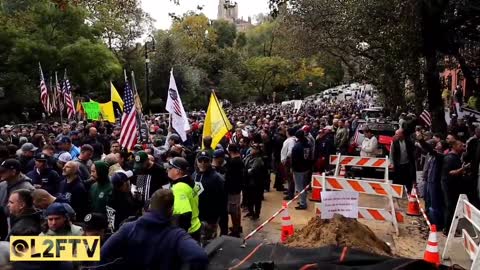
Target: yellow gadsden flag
[[115, 97], [106, 109], [216, 122]]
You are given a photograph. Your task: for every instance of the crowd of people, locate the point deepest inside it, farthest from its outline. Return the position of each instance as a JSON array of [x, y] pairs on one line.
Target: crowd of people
[[161, 202]]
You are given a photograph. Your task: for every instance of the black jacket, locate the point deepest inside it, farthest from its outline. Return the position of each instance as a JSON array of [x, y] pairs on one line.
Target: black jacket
[[235, 176], [255, 172], [76, 193], [212, 201], [48, 179], [24, 162], [29, 223], [125, 206], [396, 152], [300, 156]]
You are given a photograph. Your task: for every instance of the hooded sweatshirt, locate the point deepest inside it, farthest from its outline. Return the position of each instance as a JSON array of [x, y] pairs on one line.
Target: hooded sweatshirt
[[101, 190], [150, 242]]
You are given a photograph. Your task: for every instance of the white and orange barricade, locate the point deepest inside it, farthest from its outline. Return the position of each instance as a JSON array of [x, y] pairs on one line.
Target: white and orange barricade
[[377, 188], [465, 210], [316, 188]]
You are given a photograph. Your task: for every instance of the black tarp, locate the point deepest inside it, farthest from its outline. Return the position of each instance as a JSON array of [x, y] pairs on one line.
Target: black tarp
[[226, 252]]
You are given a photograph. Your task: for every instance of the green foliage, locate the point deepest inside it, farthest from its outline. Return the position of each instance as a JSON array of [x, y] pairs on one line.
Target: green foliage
[[92, 66], [96, 39], [226, 33], [267, 73], [38, 31]]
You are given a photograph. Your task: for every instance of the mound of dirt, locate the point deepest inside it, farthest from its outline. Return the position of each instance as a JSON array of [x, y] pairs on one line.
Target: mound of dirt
[[339, 231]]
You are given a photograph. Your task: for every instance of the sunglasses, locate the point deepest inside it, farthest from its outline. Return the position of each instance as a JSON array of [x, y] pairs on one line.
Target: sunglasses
[[203, 161]]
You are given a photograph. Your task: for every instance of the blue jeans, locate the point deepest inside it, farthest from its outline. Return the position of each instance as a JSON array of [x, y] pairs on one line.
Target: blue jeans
[[300, 184]]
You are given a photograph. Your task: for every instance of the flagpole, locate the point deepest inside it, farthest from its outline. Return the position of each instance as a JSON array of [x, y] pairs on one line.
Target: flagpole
[[141, 119], [218, 105], [53, 101], [59, 107]]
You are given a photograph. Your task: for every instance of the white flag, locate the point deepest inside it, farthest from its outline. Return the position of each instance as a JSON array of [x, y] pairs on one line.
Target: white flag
[[175, 108]]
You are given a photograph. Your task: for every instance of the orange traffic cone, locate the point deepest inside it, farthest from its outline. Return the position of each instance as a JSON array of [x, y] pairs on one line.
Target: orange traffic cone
[[413, 206], [287, 226], [431, 252]]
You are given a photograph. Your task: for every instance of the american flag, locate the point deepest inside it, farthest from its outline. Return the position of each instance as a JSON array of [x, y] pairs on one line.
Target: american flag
[[426, 118], [67, 94], [44, 92], [59, 94], [128, 133]]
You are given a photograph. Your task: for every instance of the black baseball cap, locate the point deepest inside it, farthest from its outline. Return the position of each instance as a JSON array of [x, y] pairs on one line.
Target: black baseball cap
[[179, 163], [204, 155], [95, 221], [41, 157], [10, 164]]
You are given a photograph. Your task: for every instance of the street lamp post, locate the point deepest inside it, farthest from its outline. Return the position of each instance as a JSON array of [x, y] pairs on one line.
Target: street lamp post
[[147, 69]]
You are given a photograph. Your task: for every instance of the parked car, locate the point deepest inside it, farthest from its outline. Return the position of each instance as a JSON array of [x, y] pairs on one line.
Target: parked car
[[372, 113]]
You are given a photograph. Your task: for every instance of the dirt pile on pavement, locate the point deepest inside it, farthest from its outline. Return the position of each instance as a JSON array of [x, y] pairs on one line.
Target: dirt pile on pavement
[[340, 231]]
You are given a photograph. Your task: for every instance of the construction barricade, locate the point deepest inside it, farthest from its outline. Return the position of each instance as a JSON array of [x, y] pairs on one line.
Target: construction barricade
[[377, 188], [465, 210]]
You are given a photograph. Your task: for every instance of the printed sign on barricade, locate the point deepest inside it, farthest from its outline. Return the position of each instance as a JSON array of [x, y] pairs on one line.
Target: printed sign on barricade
[[344, 203], [465, 210]]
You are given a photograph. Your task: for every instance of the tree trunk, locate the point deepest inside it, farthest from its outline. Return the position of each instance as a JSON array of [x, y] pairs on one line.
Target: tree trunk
[[471, 85], [434, 92]]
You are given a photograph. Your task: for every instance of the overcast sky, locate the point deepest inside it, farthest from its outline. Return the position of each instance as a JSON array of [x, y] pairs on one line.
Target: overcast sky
[[159, 9]]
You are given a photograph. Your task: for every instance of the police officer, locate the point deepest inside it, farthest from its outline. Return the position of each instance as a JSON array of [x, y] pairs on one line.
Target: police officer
[[185, 206]]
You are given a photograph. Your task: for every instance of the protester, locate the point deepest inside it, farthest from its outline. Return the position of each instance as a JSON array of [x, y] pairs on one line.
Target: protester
[[12, 179], [286, 159], [212, 201], [22, 214], [452, 180], [73, 189], [85, 162], [151, 241], [66, 145], [58, 222], [150, 175], [44, 176], [369, 144], [301, 167], [402, 160], [27, 153], [234, 181], [101, 190], [96, 224], [122, 200], [255, 172]]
